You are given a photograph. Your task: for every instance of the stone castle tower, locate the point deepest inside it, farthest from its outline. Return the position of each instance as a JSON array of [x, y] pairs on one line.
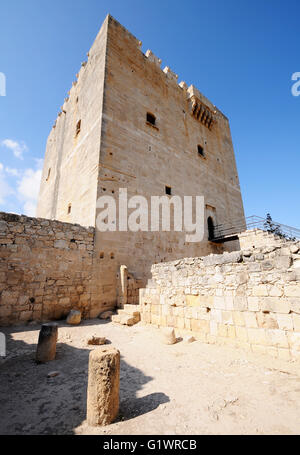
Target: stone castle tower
[[129, 124]]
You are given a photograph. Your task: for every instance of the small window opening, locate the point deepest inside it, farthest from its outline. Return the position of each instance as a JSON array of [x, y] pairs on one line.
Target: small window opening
[[151, 118], [48, 176], [112, 256], [78, 127], [200, 150], [69, 209], [102, 255], [168, 190]]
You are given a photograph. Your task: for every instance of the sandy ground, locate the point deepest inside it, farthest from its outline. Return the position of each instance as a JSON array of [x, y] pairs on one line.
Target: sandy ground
[[180, 389]]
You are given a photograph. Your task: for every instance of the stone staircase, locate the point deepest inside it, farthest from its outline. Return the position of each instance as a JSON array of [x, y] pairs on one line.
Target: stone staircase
[[129, 315]]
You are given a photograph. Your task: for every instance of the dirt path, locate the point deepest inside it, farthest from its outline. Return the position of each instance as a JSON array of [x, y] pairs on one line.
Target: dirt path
[[181, 389]]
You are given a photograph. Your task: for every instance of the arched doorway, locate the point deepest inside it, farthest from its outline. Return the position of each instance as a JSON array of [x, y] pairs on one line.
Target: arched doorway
[[211, 228]]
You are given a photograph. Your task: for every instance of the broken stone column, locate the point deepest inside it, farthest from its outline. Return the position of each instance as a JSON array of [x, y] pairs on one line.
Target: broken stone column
[[168, 336], [122, 294], [103, 386], [46, 349]]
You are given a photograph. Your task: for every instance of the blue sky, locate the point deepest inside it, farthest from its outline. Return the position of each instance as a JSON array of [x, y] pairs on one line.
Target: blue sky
[[241, 54]]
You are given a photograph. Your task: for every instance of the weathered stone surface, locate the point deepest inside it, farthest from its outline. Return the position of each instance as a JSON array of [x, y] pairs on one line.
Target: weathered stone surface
[[96, 341], [106, 315], [240, 303], [189, 339], [168, 336], [46, 348], [53, 374], [283, 262], [103, 386], [39, 282], [74, 317]]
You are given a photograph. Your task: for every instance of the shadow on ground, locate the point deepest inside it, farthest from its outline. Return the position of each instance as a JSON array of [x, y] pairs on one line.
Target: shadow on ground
[[32, 403]]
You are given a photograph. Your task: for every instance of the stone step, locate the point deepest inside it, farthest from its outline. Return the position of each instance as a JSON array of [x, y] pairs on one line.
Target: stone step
[[124, 313], [131, 311], [116, 318], [126, 319]]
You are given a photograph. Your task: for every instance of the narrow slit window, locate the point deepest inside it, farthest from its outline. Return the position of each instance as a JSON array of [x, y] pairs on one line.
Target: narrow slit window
[[151, 119], [48, 176], [168, 190], [69, 209], [201, 150], [78, 128]]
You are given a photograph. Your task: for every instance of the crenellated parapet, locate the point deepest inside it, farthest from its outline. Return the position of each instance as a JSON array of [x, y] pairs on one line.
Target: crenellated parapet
[[152, 58], [199, 109]]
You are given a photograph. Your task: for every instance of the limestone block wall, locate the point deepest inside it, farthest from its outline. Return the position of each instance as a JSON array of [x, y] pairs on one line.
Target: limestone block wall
[[45, 269], [145, 158], [248, 299], [253, 238], [69, 182]]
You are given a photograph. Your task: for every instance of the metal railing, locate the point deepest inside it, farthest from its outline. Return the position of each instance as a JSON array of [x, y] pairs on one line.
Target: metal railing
[[256, 222]]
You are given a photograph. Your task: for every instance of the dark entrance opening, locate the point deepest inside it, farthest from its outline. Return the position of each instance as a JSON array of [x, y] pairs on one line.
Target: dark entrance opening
[[211, 228]]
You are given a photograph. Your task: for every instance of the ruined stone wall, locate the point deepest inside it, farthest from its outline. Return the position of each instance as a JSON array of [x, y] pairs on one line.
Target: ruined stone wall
[[248, 299], [45, 269], [253, 238]]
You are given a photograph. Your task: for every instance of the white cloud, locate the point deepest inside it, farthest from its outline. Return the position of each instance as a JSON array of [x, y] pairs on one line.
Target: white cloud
[[12, 171], [5, 189], [24, 187], [18, 148], [30, 208], [28, 189]]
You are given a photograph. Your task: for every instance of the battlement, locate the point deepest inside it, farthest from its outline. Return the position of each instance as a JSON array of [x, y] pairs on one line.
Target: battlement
[[201, 107]]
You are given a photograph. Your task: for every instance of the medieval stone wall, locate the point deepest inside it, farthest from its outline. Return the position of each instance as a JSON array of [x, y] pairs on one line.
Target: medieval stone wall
[[248, 299], [45, 269], [69, 182], [145, 158]]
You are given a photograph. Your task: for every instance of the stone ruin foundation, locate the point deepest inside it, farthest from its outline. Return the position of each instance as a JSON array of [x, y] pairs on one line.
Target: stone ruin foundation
[[248, 298]]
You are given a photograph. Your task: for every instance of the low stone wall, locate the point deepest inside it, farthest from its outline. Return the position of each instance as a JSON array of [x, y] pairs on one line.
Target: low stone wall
[[256, 238], [248, 299], [45, 269]]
